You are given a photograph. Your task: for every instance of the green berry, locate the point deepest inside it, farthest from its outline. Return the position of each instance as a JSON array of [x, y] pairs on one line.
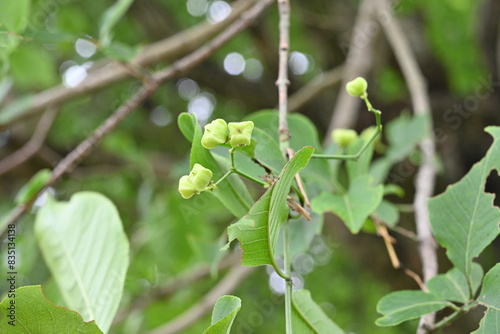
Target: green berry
[[200, 177], [357, 87], [215, 134], [186, 188], [344, 137], [240, 133]]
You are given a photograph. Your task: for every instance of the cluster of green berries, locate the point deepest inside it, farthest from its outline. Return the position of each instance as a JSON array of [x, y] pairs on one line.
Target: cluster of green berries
[[219, 133], [197, 181]]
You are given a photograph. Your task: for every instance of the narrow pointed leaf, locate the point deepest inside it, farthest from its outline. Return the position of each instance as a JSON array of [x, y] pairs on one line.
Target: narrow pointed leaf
[[355, 206], [87, 251], [309, 318], [225, 310], [258, 230], [110, 17], [187, 125], [463, 218], [490, 323], [34, 313], [404, 305]]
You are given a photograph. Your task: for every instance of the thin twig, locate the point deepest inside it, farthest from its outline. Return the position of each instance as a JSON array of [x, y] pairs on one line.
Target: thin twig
[[33, 145], [229, 283], [108, 72], [283, 82], [179, 67], [388, 241], [284, 138], [424, 183]]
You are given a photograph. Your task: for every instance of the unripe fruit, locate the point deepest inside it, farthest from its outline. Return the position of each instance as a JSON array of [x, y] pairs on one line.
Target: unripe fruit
[[215, 134], [200, 177], [343, 137], [357, 87], [186, 188], [240, 134]]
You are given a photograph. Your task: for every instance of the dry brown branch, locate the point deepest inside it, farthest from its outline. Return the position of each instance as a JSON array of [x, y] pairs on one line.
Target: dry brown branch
[[148, 88], [424, 183], [230, 282], [109, 72], [33, 145]]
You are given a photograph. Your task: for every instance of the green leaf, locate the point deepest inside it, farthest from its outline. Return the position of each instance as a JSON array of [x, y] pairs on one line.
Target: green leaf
[[32, 66], [258, 231], [490, 322], [232, 192], [34, 313], [223, 314], [87, 251], [361, 200], [490, 292], [463, 218], [388, 213], [403, 135], [14, 14], [303, 133], [453, 285], [187, 125], [404, 305], [308, 317], [34, 185], [109, 19]]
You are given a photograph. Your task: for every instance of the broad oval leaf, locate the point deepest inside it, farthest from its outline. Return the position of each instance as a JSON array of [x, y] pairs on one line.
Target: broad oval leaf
[[34, 313], [309, 318], [87, 251], [258, 231], [404, 305], [361, 200], [463, 218], [225, 310]]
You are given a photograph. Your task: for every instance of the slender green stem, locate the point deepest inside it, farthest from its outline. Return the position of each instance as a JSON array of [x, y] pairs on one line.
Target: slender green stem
[[251, 178], [378, 129], [289, 283], [229, 172], [448, 319]]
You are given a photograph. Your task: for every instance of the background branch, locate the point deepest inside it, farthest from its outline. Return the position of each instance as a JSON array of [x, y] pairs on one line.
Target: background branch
[[424, 183], [314, 88], [175, 284], [33, 145], [228, 284], [108, 72], [179, 67]]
